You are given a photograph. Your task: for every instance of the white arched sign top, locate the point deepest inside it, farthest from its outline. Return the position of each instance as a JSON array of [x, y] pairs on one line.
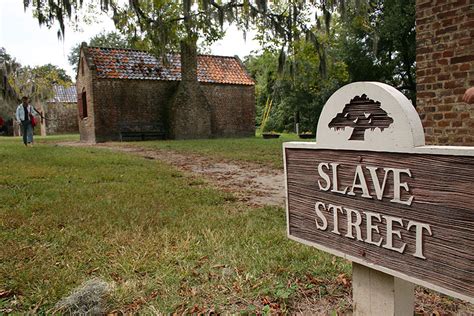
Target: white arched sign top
[[401, 126]]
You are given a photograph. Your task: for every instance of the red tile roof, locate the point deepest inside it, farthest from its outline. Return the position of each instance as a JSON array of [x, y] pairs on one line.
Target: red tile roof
[[134, 64], [64, 95]]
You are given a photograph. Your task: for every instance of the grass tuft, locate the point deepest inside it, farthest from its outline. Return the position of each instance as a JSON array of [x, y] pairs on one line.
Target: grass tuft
[[87, 299]]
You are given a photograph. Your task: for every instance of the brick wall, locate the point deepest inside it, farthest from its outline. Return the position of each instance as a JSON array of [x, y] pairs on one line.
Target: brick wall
[[131, 105], [232, 108], [146, 105], [445, 69], [61, 118], [85, 77]]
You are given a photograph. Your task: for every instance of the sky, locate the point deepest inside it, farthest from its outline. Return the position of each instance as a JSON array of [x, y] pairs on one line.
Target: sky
[[33, 45]]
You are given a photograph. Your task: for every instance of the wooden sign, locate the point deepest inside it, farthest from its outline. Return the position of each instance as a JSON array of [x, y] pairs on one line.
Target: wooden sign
[[369, 190]]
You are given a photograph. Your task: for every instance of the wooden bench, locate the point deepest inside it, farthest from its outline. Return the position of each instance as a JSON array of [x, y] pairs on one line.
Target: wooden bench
[[140, 133]]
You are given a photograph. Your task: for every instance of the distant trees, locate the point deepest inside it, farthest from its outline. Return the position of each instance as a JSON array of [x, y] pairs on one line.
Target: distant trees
[[159, 26], [380, 45], [8, 97], [35, 82], [345, 42], [298, 95], [7, 62]]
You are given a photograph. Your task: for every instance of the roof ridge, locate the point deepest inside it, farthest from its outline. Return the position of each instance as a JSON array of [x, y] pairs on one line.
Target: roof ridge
[[148, 52], [120, 48], [73, 84], [220, 56]]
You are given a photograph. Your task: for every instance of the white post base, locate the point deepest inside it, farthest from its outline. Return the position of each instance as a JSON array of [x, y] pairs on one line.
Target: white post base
[[378, 293]]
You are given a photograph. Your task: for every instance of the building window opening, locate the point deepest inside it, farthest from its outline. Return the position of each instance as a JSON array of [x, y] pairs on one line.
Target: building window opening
[[84, 103]]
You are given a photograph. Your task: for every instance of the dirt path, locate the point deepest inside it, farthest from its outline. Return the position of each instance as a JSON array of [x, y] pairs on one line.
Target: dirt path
[[250, 183]]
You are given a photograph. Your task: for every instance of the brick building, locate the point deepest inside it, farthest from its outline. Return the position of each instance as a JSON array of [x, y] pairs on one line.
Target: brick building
[[445, 69], [125, 93], [61, 112]]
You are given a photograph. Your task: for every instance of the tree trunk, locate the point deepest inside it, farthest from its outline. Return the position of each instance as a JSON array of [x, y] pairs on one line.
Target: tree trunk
[[358, 133], [188, 62]]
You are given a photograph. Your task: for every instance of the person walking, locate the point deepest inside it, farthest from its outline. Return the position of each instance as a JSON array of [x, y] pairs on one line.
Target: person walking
[[24, 116]]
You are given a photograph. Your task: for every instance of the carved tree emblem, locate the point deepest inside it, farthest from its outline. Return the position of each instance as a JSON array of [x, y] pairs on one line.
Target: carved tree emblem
[[361, 113]]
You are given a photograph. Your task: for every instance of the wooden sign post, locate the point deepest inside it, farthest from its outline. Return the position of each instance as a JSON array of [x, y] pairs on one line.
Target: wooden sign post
[[370, 191]]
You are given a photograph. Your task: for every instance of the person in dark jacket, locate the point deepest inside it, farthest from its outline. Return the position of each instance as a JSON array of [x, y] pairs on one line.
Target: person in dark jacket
[[24, 113]]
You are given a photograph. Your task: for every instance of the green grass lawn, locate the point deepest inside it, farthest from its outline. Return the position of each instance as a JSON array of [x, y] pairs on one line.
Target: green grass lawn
[[163, 240], [56, 138]]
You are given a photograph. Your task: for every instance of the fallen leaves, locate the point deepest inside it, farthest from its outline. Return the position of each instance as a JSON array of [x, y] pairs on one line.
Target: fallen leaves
[[6, 293], [344, 280], [116, 277], [93, 270], [138, 302], [13, 298], [273, 308]]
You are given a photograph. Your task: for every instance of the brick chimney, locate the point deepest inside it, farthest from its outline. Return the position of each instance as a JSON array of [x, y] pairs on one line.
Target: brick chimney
[[190, 113]]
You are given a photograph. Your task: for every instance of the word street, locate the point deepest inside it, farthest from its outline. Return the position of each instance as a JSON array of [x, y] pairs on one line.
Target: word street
[[356, 219]]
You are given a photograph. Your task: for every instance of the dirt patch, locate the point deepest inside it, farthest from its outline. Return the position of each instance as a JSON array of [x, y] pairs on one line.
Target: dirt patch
[[249, 183]]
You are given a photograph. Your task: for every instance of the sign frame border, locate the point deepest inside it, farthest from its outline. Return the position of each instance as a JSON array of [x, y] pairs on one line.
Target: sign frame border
[[434, 150]]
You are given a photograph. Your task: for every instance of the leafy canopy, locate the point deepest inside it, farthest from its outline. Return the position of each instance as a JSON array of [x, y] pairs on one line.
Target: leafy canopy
[[34, 82], [37, 82], [380, 45]]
